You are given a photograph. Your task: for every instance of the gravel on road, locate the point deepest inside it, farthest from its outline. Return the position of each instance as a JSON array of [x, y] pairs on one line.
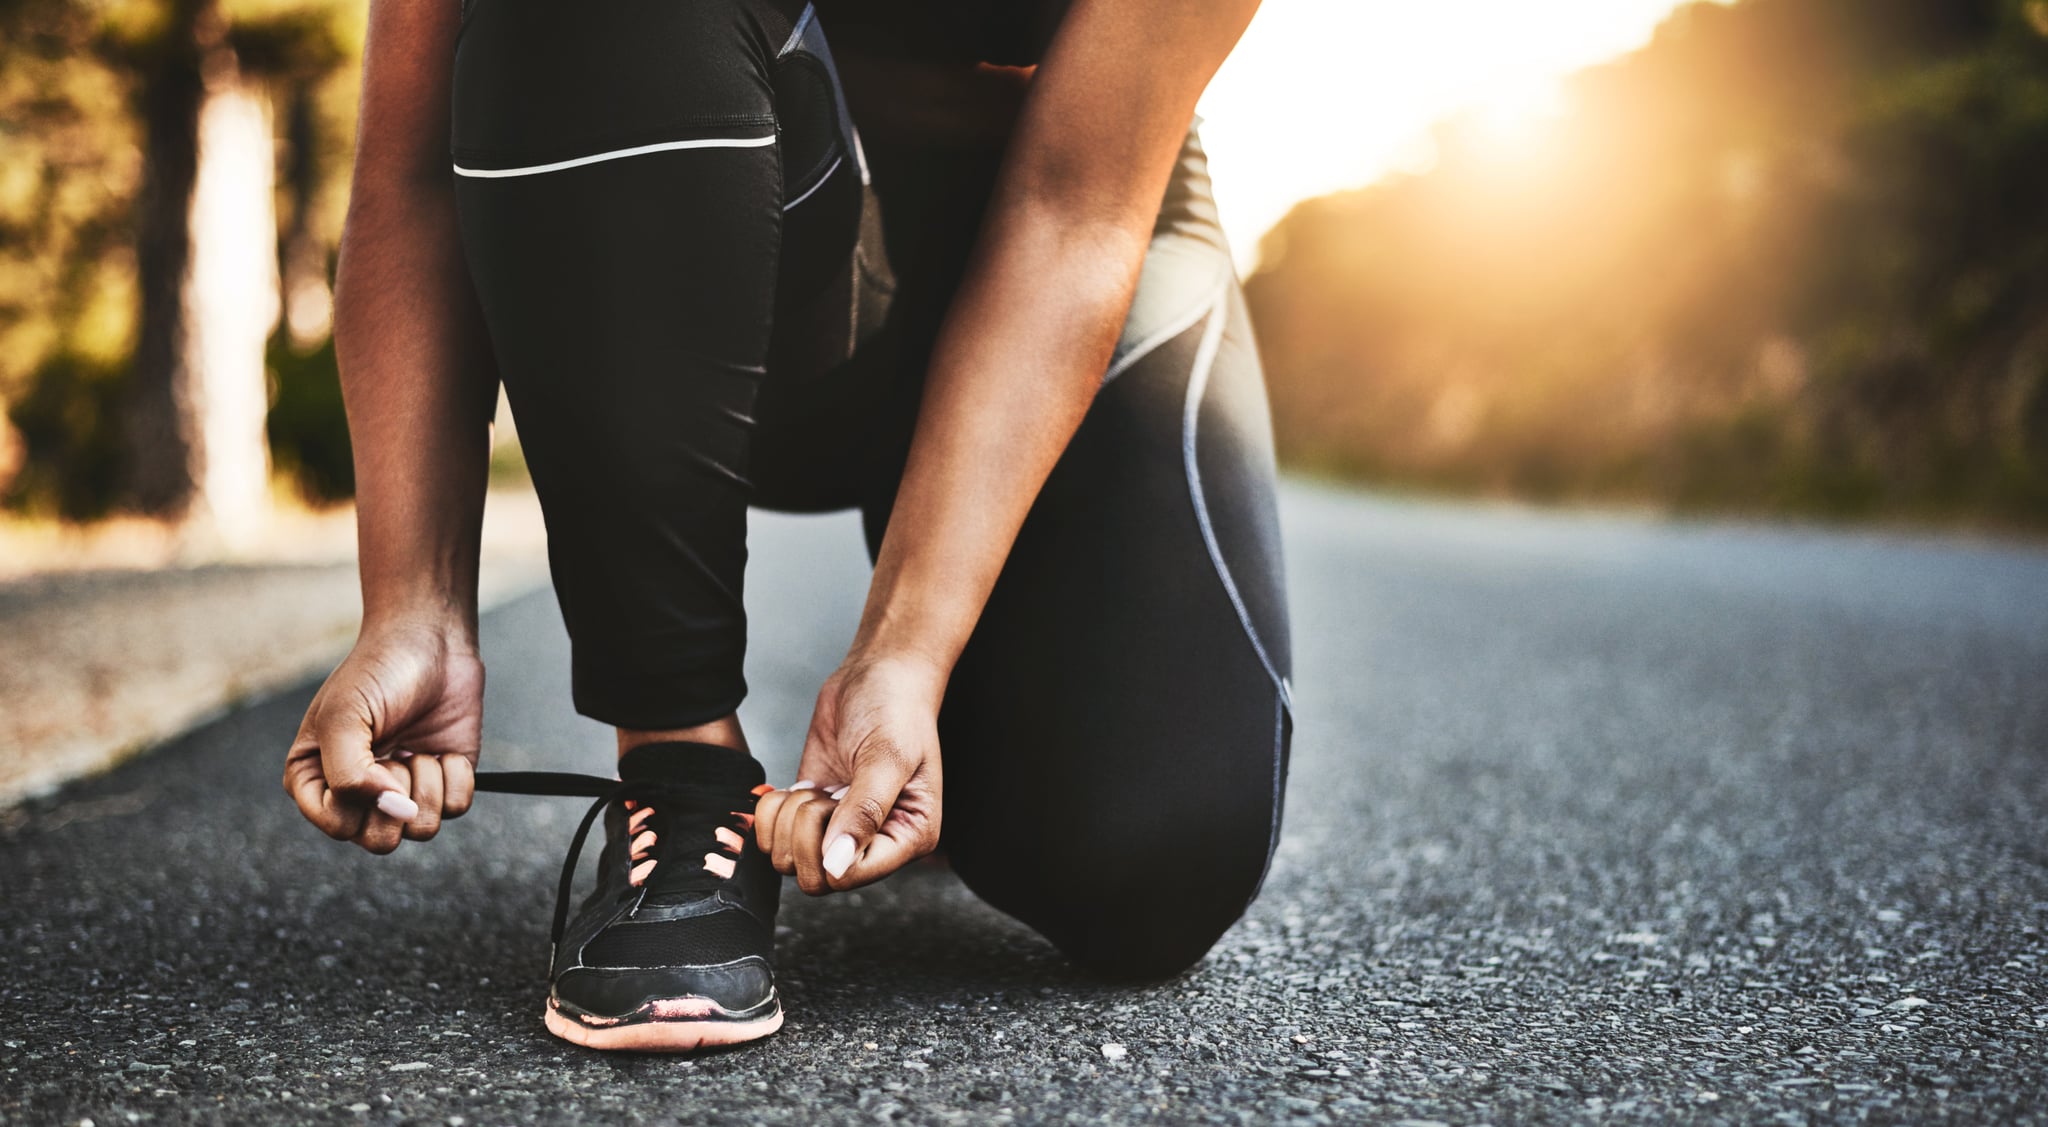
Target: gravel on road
[[1591, 818]]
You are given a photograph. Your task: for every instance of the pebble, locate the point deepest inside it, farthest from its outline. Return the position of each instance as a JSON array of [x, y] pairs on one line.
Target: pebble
[[1114, 1051], [1488, 967], [410, 1066]]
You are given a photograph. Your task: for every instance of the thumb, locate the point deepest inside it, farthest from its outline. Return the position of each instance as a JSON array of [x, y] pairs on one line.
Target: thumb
[[815, 764], [878, 778], [350, 766]]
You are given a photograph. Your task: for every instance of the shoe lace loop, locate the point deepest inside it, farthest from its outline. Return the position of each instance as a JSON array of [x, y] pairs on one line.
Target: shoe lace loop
[[674, 829]]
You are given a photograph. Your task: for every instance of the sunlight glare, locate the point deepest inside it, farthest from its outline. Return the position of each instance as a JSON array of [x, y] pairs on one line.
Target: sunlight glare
[[1323, 95], [1515, 116]]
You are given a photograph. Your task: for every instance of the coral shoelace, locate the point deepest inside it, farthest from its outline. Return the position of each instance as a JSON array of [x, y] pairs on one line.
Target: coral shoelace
[[686, 833]]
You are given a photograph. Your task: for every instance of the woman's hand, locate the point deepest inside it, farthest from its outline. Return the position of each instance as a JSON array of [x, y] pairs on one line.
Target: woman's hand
[[868, 798], [412, 693]]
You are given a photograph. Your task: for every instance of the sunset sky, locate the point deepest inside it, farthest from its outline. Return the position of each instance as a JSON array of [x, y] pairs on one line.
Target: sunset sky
[[1330, 94]]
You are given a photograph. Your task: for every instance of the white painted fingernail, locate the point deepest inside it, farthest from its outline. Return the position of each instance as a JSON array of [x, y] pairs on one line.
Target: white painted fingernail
[[398, 806], [840, 792], [803, 784], [839, 855]]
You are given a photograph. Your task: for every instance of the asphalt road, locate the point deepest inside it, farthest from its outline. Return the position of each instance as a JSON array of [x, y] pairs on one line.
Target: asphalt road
[[1591, 818]]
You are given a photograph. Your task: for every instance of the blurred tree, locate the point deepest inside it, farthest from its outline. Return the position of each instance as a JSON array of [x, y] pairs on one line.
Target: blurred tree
[[1791, 255], [109, 335]]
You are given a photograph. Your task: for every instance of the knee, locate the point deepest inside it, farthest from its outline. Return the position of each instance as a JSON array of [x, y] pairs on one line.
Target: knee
[[1149, 925], [1144, 944], [1131, 894]]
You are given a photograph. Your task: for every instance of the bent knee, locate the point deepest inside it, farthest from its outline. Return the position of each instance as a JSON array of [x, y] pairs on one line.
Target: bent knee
[[1142, 945], [1151, 926]]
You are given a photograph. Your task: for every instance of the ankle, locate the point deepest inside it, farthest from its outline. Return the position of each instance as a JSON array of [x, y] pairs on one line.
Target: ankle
[[722, 732]]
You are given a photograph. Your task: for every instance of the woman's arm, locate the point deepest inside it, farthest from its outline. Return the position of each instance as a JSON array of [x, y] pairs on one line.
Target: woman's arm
[[1015, 368], [1037, 317], [418, 382], [416, 369]]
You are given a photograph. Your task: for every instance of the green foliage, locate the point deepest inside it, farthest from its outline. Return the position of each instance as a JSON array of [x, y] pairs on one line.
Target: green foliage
[[307, 429], [1792, 256], [69, 426], [82, 96]]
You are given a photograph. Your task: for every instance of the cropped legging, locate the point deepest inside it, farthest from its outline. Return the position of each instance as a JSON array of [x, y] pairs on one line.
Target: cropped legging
[[702, 294]]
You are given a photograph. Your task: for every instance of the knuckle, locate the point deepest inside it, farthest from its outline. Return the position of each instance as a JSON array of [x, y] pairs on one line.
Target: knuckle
[[897, 755], [869, 812]]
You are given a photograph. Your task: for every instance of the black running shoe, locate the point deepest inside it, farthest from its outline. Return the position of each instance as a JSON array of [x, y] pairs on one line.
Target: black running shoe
[[674, 950]]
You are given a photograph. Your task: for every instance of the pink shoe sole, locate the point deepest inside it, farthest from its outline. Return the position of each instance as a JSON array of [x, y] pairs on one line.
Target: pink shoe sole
[[659, 1035]]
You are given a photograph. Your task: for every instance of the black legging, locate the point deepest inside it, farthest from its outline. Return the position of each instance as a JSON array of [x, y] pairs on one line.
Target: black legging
[[697, 303]]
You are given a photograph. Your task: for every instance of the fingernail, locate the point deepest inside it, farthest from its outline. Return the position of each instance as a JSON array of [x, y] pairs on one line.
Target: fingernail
[[839, 855], [840, 792], [803, 784], [398, 806]]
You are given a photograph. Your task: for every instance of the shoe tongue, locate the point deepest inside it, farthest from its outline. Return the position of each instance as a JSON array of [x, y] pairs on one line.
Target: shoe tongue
[[702, 765], [682, 762]]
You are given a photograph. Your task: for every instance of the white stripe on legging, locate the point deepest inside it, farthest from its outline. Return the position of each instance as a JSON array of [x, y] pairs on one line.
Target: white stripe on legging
[[615, 154], [1198, 383], [1279, 786], [813, 189], [1172, 329], [1283, 693]]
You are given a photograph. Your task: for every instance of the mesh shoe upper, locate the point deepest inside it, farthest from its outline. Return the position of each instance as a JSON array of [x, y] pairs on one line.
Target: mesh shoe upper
[[685, 902]]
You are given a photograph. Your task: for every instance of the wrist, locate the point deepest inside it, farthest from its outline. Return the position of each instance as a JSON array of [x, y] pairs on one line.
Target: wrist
[[910, 669], [910, 625], [439, 621]]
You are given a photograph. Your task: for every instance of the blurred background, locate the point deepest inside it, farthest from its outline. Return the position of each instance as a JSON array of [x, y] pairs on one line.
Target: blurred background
[[1697, 774], [1781, 258], [1774, 256]]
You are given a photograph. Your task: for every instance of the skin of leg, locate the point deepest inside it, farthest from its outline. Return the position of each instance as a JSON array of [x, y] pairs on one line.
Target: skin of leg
[[722, 732]]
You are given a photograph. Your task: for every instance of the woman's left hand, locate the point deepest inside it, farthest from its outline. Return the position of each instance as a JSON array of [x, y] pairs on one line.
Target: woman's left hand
[[867, 800]]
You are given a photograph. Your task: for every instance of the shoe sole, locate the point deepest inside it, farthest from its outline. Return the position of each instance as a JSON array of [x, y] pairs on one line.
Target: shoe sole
[[650, 1029]]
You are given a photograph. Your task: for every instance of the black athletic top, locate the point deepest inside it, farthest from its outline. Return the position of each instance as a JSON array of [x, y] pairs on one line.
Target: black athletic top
[[1006, 32]]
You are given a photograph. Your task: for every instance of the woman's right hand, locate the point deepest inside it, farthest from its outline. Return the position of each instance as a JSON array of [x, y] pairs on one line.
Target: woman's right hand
[[414, 688]]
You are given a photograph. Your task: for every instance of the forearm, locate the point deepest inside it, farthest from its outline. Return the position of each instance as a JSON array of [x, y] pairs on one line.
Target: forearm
[[1030, 334], [1011, 378], [418, 384]]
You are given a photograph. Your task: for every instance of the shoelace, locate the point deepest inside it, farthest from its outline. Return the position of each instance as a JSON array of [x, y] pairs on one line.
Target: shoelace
[[668, 824]]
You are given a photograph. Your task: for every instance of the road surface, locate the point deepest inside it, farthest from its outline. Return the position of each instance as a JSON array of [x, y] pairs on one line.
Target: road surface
[[1591, 818]]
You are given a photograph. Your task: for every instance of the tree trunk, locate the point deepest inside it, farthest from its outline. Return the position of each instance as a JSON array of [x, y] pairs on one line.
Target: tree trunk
[[308, 298], [162, 474], [207, 268]]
